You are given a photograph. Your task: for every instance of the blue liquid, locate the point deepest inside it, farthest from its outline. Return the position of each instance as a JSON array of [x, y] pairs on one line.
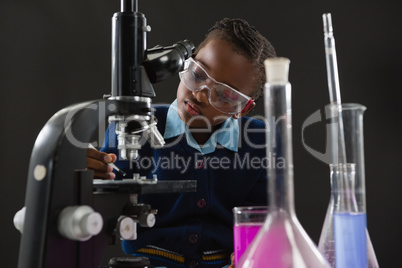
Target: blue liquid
[[350, 240]]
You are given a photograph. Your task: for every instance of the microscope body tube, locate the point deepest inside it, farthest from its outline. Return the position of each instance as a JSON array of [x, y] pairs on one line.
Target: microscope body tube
[[134, 67], [129, 42]]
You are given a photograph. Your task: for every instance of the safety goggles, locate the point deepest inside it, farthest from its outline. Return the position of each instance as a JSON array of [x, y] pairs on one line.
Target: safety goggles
[[221, 96]]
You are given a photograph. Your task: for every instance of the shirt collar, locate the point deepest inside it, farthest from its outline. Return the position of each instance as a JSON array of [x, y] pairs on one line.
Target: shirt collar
[[227, 135]]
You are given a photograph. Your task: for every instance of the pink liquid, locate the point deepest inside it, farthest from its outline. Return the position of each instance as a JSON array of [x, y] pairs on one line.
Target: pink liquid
[[270, 247], [281, 246], [243, 235]]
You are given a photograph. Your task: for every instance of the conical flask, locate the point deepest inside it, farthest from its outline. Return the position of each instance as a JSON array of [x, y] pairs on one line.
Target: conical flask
[[282, 241], [347, 192]]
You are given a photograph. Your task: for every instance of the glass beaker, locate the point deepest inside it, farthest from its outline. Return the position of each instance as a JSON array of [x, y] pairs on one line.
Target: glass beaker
[[282, 241], [247, 223], [347, 181]]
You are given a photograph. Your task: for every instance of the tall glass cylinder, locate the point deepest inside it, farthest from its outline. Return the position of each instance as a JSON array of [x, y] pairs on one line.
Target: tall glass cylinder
[[347, 207], [282, 241]]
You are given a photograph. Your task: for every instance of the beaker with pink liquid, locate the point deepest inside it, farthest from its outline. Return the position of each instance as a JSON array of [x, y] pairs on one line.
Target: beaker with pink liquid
[[247, 223]]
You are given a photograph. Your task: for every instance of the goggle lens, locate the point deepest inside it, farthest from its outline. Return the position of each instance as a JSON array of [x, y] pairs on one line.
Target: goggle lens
[[221, 96]]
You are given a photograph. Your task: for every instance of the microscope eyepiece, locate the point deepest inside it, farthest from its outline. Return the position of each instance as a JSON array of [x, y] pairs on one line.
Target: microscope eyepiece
[[164, 62], [187, 45]]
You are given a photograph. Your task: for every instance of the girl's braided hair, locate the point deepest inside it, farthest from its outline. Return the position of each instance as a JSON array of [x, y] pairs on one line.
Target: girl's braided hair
[[246, 41]]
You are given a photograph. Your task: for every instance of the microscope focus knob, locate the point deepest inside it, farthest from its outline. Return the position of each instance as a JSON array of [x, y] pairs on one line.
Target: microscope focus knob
[[147, 220], [79, 223], [19, 219], [127, 228]]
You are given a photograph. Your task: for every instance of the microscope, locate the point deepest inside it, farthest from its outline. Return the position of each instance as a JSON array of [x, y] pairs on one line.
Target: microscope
[[69, 218]]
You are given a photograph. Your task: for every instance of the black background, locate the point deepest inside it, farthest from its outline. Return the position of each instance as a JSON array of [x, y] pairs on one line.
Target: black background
[[54, 53]]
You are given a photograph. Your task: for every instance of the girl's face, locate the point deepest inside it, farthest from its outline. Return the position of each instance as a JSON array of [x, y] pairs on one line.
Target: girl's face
[[218, 58]]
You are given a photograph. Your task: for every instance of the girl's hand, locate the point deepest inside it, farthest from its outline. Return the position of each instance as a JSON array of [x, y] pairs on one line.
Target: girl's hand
[[231, 261], [98, 162]]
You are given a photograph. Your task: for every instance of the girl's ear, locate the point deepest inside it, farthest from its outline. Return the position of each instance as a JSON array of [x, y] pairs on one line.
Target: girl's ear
[[245, 111]]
